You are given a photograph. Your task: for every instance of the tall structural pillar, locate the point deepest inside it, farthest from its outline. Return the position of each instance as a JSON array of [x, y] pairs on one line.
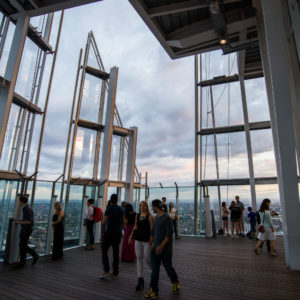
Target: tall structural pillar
[[108, 132], [274, 50], [130, 165], [11, 73]]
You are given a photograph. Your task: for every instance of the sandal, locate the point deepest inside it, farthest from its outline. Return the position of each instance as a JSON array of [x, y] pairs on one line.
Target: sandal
[[256, 251]]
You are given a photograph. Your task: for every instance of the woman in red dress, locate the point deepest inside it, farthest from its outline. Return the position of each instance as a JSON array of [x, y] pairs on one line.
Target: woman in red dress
[[128, 250]]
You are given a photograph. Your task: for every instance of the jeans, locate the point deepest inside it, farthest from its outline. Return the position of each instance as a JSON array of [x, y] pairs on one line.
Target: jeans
[[90, 230], [111, 239], [175, 227], [142, 251], [24, 238], [166, 259]]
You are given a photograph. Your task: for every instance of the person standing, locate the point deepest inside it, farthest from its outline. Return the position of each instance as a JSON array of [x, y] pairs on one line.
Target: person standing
[[252, 221], [128, 249], [141, 234], [266, 222], [240, 204], [174, 216], [58, 232], [112, 231], [161, 249], [225, 214], [26, 230], [235, 217], [164, 204], [89, 222]]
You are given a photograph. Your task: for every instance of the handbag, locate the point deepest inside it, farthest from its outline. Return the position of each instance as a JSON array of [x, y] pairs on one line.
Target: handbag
[[261, 228]]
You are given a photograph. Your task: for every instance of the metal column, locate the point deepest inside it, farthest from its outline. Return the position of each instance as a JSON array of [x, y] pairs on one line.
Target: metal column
[[11, 73], [273, 45], [241, 62], [108, 131], [130, 165]]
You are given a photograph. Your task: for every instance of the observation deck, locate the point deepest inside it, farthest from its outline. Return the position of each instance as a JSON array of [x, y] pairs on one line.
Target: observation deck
[[220, 268]]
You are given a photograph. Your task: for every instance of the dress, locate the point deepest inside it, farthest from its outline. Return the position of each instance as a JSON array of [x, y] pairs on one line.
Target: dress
[[58, 240], [128, 251]]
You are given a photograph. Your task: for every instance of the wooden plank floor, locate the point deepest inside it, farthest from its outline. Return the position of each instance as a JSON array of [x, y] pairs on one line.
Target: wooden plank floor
[[208, 269]]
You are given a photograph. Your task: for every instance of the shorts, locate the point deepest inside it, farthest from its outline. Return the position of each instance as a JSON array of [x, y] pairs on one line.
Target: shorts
[[235, 221], [225, 218]]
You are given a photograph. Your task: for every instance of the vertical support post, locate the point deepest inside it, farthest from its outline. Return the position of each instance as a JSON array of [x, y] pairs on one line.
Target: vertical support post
[[49, 231], [273, 45], [241, 62], [208, 229], [177, 208], [216, 150], [200, 127], [83, 207], [196, 181], [11, 73], [130, 165], [108, 131]]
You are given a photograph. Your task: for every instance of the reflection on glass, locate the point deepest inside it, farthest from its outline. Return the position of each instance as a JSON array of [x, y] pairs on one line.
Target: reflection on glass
[[73, 216], [8, 190], [41, 209]]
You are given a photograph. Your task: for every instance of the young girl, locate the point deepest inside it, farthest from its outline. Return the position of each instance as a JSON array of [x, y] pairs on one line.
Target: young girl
[[225, 213]]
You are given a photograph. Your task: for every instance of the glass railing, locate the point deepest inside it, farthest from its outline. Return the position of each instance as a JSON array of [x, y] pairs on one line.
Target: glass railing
[[76, 208]]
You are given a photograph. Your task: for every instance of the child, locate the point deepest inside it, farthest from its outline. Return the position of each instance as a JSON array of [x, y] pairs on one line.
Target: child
[[252, 220]]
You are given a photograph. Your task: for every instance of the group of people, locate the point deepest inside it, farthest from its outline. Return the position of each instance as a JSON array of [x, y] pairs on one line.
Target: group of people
[[261, 225], [146, 238]]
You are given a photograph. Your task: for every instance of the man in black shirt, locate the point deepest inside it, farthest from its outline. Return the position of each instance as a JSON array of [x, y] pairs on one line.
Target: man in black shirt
[[164, 204], [26, 230]]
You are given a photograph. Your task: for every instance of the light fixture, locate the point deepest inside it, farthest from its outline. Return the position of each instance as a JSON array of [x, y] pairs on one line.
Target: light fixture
[[223, 41]]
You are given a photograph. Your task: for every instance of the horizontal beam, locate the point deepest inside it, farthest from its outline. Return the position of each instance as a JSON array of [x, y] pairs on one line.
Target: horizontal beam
[[176, 8], [219, 80], [22, 102], [38, 39], [90, 125], [120, 131], [9, 175], [97, 73], [235, 128]]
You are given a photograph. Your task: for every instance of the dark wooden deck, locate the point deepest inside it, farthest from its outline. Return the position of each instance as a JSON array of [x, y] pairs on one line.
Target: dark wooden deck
[[208, 269]]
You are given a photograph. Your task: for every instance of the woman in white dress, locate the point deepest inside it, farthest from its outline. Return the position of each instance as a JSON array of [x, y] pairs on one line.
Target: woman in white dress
[[266, 222]]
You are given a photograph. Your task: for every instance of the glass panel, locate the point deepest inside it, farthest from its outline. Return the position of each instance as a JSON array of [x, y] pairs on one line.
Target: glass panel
[[208, 158], [27, 70], [84, 153], [271, 191], [92, 60], [114, 159], [8, 191], [41, 208], [216, 64], [73, 217], [91, 99], [11, 131], [232, 154], [257, 100], [263, 153], [6, 50], [186, 209]]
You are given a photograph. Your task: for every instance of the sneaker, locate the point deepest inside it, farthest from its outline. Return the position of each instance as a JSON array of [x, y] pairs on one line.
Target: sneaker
[[105, 275], [151, 295], [114, 275], [35, 259], [176, 287]]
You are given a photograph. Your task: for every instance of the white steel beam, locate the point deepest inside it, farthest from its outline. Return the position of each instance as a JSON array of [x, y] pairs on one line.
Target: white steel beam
[[11, 73], [108, 132], [274, 46], [241, 64], [131, 165]]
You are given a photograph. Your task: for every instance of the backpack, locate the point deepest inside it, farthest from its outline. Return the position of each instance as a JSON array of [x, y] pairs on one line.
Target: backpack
[[97, 216]]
